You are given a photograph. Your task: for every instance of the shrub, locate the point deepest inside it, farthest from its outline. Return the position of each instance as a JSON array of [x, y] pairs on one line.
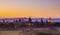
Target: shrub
[[42, 33]]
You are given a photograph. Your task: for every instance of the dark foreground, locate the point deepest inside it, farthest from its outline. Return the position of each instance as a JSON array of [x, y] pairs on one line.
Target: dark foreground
[[32, 29]]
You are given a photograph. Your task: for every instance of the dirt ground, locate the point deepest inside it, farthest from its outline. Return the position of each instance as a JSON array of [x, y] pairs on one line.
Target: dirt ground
[[9, 32], [20, 32]]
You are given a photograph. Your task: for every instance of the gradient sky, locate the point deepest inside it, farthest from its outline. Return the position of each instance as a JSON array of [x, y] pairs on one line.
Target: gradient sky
[[30, 8]]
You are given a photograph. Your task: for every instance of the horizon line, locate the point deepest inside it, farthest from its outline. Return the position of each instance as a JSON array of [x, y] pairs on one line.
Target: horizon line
[[28, 17]]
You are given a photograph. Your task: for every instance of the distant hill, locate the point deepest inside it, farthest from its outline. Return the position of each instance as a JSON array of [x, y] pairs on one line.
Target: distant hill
[[33, 19], [44, 19]]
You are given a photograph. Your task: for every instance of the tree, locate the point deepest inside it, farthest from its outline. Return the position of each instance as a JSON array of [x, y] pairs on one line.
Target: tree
[[19, 20], [11, 25], [36, 24], [22, 25], [3, 21], [42, 20], [42, 23]]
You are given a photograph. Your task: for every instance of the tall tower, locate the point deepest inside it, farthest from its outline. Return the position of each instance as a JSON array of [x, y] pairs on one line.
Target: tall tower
[[49, 20], [29, 20], [30, 25]]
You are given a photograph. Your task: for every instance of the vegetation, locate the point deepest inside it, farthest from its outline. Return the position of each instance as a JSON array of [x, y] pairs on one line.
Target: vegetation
[[42, 33], [22, 25]]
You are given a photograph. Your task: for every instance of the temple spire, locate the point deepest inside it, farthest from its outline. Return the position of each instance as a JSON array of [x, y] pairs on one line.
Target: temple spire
[[49, 20], [29, 20]]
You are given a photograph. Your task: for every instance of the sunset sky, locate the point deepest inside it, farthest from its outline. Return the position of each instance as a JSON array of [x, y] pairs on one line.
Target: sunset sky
[[29, 8]]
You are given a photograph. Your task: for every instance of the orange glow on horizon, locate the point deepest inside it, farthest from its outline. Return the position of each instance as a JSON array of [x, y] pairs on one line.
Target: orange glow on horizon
[[29, 9]]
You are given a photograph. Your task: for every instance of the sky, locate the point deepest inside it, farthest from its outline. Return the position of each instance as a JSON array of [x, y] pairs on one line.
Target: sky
[[29, 8]]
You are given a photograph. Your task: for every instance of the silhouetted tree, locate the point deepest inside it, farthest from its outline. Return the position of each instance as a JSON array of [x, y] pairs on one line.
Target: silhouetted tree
[[42, 23], [47, 23], [22, 25], [14, 21], [3, 21], [1, 24], [42, 20], [36, 24], [19, 20], [11, 25]]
